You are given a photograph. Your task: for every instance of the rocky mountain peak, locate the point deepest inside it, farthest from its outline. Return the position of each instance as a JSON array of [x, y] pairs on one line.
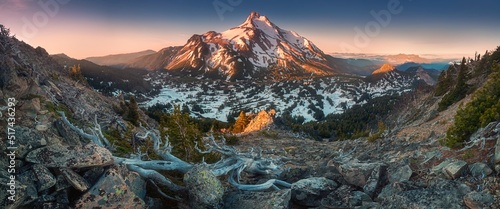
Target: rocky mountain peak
[[384, 69], [252, 49], [255, 20], [263, 120]]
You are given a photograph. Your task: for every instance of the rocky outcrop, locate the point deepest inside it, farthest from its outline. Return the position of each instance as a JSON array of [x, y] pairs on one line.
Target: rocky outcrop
[[71, 156], [260, 122], [111, 191]]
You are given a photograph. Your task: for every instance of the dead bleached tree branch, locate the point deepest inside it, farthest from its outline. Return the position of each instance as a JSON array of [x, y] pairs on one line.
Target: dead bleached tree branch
[[91, 137], [232, 161]]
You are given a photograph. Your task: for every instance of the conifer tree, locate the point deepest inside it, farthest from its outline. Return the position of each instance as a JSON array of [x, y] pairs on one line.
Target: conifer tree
[[182, 134], [133, 111]]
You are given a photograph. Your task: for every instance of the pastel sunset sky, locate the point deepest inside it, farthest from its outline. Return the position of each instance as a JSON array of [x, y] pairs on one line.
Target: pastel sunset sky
[[83, 28]]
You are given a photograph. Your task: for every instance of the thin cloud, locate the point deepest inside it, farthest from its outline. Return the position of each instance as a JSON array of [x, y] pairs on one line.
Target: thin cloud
[[14, 5]]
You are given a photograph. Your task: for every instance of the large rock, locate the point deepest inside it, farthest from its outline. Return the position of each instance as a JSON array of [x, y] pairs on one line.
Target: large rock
[[111, 191], [258, 200], [478, 200], [27, 139], [205, 190], [75, 179], [309, 192], [480, 170], [358, 198], [455, 169], [71, 156], [137, 184], [260, 122], [438, 169], [374, 180], [44, 178], [31, 107], [343, 197], [357, 173], [440, 193], [400, 174]]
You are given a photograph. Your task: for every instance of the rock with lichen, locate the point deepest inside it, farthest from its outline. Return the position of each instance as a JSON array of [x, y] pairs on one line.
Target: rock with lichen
[[111, 191], [258, 199], [309, 192], [205, 190], [71, 156]]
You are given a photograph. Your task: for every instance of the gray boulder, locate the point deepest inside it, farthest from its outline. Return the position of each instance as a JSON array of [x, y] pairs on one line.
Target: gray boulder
[[455, 169], [62, 183], [480, 170], [357, 173], [256, 200], [358, 198], [75, 179], [309, 192], [440, 193], [342, 197], [27, 139], [374, 180], [205, 190], [478, 200], [71, 156], [399, 174], [44, 178], [111, 191], [137, 184]]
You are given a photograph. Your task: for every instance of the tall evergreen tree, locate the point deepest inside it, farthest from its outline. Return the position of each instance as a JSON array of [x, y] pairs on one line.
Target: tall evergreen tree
[[182, 134], [133, 113], [460, 89]]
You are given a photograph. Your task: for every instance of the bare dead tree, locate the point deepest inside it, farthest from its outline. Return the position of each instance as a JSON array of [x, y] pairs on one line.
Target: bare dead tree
[[232, 162]]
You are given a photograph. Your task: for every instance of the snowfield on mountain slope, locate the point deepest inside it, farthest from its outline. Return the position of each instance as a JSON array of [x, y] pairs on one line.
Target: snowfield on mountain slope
[[303, 98]]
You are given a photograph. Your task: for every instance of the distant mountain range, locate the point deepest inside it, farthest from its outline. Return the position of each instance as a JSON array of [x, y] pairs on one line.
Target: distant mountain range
[[118, 59]]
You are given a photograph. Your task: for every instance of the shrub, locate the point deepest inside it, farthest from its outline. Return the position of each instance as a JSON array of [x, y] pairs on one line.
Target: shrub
[[483, 109]]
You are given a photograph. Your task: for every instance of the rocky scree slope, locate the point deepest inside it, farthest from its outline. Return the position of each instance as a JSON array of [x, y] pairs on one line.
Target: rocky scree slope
[[54, 167]]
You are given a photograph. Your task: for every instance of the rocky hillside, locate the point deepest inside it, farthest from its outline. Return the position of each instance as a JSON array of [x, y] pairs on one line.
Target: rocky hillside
[[54, 167]]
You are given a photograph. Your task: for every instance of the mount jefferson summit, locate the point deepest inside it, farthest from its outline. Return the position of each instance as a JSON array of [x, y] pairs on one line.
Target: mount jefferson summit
[[254, 49]]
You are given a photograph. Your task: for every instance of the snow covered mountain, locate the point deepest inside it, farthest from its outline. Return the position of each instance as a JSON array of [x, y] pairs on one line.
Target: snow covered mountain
[[256, 48]]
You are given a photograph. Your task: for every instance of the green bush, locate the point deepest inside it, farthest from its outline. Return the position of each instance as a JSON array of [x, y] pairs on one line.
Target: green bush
[[483, 109]]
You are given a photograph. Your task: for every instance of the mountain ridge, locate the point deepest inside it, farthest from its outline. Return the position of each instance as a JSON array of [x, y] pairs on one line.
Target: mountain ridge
[[255, 48], [118, 59]]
